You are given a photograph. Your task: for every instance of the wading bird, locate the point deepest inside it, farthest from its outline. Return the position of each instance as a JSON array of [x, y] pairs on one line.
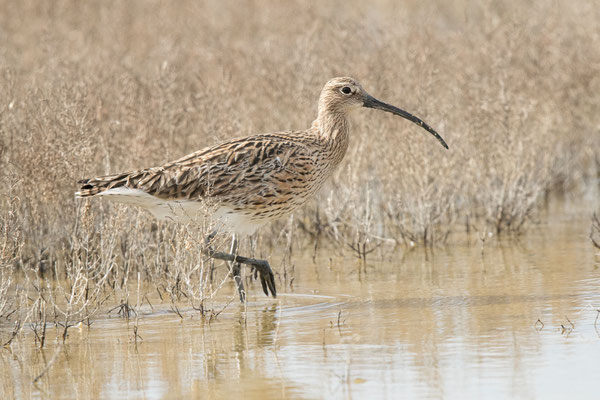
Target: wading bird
[[251, 180]]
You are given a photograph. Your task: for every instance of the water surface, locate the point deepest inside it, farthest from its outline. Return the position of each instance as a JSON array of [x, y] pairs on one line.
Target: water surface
[[471, 320]]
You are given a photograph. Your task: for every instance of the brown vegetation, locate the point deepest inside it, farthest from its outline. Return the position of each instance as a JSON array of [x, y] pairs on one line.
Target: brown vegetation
[[89, 88]]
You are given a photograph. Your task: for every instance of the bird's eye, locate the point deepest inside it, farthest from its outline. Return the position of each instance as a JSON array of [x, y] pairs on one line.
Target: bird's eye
[[346, 90]]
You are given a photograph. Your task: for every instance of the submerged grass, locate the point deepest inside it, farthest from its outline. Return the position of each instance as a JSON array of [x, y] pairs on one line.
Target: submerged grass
[[98, 87]]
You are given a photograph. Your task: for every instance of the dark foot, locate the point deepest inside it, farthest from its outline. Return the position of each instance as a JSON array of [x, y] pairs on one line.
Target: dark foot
[[267, 279]]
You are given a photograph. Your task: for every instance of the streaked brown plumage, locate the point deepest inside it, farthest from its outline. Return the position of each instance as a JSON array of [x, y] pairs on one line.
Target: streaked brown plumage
[[254, 179], [262, 176]]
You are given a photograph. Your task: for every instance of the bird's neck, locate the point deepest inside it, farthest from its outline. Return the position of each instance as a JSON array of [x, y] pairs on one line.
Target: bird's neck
[[332, 126], [333, 129]]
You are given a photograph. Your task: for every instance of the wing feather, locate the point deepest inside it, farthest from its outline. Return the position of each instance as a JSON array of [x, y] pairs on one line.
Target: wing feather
[[227, 171]]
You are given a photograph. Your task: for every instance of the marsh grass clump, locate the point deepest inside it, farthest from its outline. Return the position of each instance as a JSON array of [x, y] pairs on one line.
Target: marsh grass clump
[[513, 89], [11, 246]]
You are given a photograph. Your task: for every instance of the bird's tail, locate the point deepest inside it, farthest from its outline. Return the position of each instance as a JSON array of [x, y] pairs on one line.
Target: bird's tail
[[93, 186]]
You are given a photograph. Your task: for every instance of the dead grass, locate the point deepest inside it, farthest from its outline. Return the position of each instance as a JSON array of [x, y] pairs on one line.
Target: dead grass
[[88, 88]]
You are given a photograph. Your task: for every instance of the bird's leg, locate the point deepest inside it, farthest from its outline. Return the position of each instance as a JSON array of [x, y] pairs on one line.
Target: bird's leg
[[235, 267], [209, 239], [267, 279]]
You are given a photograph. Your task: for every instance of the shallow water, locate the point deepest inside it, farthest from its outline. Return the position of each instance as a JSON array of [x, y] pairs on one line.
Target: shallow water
[[459, 322]]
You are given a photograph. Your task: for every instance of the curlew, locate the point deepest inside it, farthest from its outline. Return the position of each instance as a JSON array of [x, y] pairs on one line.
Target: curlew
[[251, 180]]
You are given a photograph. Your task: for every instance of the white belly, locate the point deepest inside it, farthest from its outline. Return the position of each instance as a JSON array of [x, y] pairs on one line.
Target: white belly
[[185, 211]]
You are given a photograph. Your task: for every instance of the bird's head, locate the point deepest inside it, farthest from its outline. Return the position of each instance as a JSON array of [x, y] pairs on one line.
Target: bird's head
[[340, 95]]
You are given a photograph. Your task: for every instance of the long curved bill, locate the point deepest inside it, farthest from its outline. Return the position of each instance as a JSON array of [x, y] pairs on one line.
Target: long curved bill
[[372, 102]]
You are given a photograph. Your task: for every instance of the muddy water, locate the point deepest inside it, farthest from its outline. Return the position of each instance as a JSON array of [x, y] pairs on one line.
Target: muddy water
[[457, 323]]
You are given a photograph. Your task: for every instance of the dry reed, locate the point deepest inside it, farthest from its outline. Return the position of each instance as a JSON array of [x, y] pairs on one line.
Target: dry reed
[[594, 232]]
